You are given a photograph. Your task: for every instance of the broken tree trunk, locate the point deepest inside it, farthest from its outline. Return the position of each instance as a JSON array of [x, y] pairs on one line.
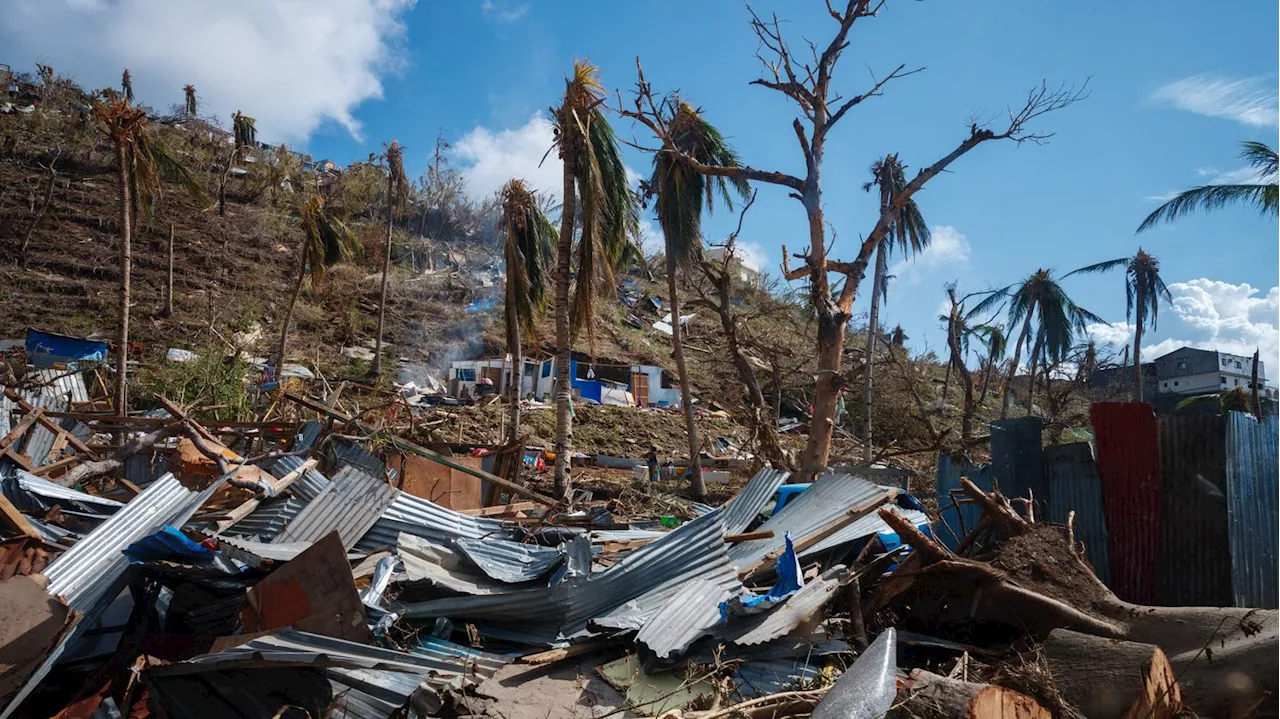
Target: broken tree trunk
[[1105, 678], [89, 470], [927, 695]]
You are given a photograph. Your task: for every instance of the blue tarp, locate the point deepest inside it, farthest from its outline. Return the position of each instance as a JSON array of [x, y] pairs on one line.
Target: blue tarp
[[790, 580], [489, 303], [168, 543], [45, 349]]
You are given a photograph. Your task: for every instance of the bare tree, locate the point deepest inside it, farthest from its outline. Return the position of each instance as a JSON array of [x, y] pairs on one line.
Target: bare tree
[[808, 83], [44, 208]]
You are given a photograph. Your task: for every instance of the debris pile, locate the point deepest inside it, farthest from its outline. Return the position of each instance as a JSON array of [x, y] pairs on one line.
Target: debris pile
[[169, 566]]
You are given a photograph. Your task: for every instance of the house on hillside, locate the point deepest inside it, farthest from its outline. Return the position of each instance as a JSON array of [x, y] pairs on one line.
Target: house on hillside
[[743, 268], [1188, 372], [603, 382]]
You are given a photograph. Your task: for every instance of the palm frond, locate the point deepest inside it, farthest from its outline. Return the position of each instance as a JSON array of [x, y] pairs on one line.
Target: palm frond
[[327, 240], [1260, 157], [398, 180], [165, 164], [993, 302], [530, 243], [1100, 267], [1214, 197]]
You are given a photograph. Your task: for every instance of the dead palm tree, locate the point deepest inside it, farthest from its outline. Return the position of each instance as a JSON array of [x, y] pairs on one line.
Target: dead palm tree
[[244, 132], [681, 192], [910, 234], [595, 189], [126, 85], [993, 337], [1143, 290], [1263, 193], [189, 103], [1039, 299], [326, 240], [397, 198], [141, 163], [530, 238]]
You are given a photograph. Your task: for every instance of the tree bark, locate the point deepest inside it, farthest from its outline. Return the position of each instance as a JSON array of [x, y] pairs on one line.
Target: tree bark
[[1107, 678], [564, 250], [517, 356], [986, 380], [375, 369], [1013, 366], [873, 334], [927, 695], [168, 285], [957, 360], [288, 314], [1137, 341], [222, 182], [126, 266], [88, 470], [1031, 379], [686, 397]]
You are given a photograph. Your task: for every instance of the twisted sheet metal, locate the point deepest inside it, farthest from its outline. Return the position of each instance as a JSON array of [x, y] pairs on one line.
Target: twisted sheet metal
[[351, 504], [1129, 465], [306, 487], [422, 518], [825, 502], [1253, 509], [746, 505], [508, 561], [1074, 486], [268, 520], [345, 453], [30, 492], [792, 613], [693, 611]]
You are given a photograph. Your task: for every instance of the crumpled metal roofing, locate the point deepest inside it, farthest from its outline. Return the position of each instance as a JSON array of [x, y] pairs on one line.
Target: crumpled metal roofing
[[268, 520], [739, 513], [509, 561], [54, 390], [421, 518], [282, 552], [306, 487], [85, 575], [308, 433], [29, 492], [830, 497], [691, 613], [792, 613], [351, 504], [441, 566], [625, 595], [345, 453]]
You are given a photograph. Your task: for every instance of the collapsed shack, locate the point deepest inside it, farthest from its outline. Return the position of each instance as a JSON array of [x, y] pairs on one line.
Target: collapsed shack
[[311, 568]]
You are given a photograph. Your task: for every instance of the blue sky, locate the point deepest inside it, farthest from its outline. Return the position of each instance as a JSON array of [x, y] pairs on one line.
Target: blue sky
[[1174, 88]]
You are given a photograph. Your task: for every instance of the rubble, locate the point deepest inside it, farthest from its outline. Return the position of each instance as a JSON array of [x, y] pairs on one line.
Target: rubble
[[328, 565]]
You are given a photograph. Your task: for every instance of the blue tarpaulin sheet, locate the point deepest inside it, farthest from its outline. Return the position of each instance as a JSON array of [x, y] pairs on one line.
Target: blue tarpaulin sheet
[[168, 543], [45, 349]]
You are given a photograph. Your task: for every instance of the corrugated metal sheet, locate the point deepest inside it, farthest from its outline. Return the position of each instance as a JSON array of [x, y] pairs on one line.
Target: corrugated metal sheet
[[761, 677], [268, 520], [308, 433], [507, 561], [144, 468], [795, 611], [1253, 508], [29, 492], [54, 390], [830, 497], [691, 613], [1017, 460], [345, 453], [308, 486], [422, 518], [351, 504], [1195, 570], [88, 574], [739, 513], [265, 550], [1074, 486], [1129, 466], [956, 522]]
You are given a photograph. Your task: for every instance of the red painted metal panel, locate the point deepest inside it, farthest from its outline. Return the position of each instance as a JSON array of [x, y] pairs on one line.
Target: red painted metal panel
[[1129, 466]]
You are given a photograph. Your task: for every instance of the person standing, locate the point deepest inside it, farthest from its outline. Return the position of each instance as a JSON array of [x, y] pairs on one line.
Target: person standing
[[651, 459]]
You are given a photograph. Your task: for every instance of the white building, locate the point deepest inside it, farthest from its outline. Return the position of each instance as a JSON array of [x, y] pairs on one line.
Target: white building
[[644, 385], [1190, 371], [745, 270]]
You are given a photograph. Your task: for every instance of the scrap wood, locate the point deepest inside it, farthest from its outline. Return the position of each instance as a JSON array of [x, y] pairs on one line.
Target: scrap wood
[[497, 510], [573, 650], [51, 467], [98, 467], [1109, 678], [278, 486], [21, 428], [925, 694], [406, 446], [48, 423], [17, 519]]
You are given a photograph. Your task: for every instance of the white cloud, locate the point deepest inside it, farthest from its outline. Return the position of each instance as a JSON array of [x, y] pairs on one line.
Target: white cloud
[[1162, 197], [292, 64], [1209, 314], [488, 158], [1250, 101], [503, 13], [948, 250], [651, 241], [751, 255]]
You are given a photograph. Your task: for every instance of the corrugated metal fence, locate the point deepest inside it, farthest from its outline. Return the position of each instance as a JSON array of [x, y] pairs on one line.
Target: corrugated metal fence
[[1129, 465], [1018, 460], [1195, 566], [1074, 486], [955, 524], [1253, 482]]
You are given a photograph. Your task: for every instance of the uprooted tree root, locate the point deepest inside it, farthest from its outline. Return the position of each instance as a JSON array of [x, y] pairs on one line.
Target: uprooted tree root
[[1223, 658]]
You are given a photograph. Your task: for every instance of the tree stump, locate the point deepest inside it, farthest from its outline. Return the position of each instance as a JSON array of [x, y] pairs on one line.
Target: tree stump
[[1107, 678]]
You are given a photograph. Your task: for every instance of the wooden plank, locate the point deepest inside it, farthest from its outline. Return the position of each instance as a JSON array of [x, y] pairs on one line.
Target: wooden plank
[[500, 509], [853, 514], [21, 428], [279, 485], [748, 536], [64, 463], [413, 448], [17, 518], [55, 450], [71, 438], [18, 457]]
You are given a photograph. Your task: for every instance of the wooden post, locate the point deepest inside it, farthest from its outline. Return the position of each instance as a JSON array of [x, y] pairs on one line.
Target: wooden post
[[168, 292]]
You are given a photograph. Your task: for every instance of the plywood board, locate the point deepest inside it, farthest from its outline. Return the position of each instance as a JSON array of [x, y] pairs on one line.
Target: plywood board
[[450, 488]]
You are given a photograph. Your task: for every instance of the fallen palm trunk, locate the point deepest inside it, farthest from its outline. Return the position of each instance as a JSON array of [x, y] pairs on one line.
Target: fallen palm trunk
[[1106, 678], [927, 695], [1224, 658]]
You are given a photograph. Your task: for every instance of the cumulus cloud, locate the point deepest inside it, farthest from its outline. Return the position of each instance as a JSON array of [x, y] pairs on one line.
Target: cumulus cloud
[[1250, 101], [949, 249], [489, 158], [751, 255], [1209, 314], [503, 13], [292, 64]]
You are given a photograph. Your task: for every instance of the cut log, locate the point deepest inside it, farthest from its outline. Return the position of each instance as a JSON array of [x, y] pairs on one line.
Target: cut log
[[928, 695], [1106, 678]]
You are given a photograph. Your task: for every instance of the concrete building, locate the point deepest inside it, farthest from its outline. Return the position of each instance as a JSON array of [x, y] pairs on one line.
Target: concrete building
[[1189, 371], [745, 270], [602, 382]]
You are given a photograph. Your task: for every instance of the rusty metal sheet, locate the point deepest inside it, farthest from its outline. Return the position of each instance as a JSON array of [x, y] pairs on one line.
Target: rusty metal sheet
[[314, 592], [1195, 566], [1129, 466], [955, 524], [1017, 460], [1253, 508], [1074, 486]]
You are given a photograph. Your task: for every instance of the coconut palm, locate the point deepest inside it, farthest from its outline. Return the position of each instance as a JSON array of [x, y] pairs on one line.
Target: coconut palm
[[993, 337], [244, 133], [397, 199], [189, 100], [681, 192], [326, 240], [595, 190], [1040, 301], [126, 85], [910, 234], [1143, 290], [141, 162], [1263, 193], [898, 337], [530, 238]]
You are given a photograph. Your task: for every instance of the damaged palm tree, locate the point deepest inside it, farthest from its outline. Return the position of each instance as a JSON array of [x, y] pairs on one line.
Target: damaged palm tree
[[244, 135], [530, 237], [681, 192], [326, 240], [189, 100], [596, 193], [397, 199]]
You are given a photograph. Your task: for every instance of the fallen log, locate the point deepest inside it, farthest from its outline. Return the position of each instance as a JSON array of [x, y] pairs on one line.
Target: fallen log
[[1106, 678], [97, 468], [928, 695]]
